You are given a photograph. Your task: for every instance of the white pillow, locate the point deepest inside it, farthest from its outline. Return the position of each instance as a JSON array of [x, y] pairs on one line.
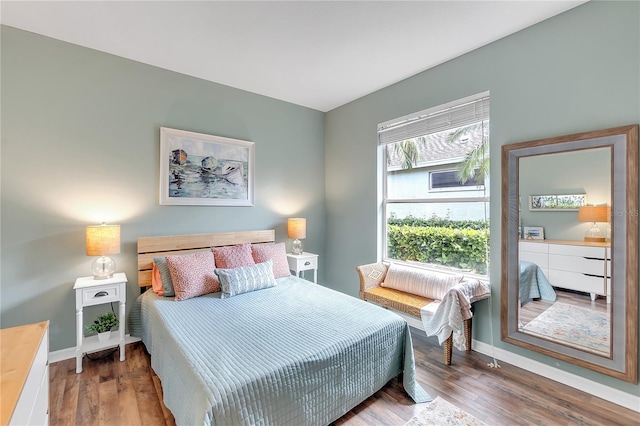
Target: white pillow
[[421, 282]]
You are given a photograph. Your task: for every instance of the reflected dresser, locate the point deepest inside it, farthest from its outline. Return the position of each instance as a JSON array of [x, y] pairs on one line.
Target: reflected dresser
[[573, 265]]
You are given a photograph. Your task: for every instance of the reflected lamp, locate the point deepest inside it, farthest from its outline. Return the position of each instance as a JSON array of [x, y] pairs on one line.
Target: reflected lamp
[[594, 214], [103, 240], [297, 229]]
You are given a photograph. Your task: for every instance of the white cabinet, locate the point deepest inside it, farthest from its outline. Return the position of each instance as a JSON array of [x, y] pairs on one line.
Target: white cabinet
[[91, 292], [574, 265], [537, 253], [25, 375]]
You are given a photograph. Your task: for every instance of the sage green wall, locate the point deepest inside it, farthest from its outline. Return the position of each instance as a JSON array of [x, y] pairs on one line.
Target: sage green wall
[[80, 145], [575, 72]]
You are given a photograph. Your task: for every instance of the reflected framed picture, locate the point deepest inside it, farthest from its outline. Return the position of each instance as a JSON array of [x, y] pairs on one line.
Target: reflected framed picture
[[205, 170], [570, 202], [533, 233]]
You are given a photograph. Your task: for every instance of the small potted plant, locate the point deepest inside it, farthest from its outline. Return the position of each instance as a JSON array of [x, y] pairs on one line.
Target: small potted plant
[[103, 325]]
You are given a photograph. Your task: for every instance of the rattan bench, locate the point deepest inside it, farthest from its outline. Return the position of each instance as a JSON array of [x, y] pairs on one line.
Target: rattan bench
[[373, 274]]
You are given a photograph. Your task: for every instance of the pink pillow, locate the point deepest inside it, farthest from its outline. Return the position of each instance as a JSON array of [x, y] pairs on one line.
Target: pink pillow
[[230, 257], [276, 252], [156, 281], [193, 274]]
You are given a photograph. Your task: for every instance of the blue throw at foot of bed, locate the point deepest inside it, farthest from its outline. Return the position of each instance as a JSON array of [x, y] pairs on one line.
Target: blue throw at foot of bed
[[297, 353], [533, 284]]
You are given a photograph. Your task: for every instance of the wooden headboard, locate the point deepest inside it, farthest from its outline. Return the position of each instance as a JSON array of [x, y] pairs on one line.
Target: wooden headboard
[[148, 247]]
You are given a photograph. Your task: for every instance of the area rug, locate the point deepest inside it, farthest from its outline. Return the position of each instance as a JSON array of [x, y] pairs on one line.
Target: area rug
[[440, 412], [581, 328]]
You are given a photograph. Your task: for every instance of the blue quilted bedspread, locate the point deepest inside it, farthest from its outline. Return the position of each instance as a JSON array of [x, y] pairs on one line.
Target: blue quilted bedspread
[[533, 284], [294, 354]]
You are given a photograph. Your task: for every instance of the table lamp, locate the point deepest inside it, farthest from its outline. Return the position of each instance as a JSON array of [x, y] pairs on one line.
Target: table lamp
[[297, 229], [594, 214], [103, 240]]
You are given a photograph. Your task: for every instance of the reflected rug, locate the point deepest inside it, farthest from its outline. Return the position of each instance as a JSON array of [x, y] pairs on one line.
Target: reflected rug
[[441, 412], [581, 328]]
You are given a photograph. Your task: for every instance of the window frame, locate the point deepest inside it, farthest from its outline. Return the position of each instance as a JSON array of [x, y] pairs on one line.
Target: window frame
[[382, 189]]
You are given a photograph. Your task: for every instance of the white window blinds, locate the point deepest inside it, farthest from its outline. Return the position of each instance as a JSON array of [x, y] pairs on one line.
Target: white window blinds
[[430, 121]]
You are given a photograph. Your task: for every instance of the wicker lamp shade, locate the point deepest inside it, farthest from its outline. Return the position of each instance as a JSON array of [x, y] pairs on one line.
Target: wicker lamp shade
[[103, 240], [297, 227], [593, 214]]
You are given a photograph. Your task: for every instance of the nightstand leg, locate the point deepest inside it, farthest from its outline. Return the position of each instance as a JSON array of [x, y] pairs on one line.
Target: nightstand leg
[[121, 330], [315, 276], [79, 335]]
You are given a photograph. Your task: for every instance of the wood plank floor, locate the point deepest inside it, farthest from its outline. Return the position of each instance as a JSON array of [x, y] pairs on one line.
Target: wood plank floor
[[110, 392]]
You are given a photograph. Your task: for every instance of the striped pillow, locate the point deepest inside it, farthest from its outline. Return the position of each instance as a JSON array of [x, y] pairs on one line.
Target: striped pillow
[[246, 278], [193, 274], [421, 282]]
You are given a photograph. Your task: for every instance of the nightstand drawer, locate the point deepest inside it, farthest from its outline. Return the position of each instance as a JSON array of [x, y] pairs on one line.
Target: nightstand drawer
[[102, 294], [298, 263], [302, 262], [309, 263]]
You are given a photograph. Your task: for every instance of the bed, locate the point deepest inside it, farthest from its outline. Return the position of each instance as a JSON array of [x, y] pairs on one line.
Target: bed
[[295, 353]]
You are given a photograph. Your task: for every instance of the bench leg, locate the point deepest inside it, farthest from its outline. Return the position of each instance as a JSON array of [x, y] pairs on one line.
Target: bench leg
[[467, 333], [448, 348]]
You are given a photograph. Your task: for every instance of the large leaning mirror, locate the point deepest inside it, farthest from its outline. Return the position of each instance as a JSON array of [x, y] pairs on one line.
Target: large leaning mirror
[[569, 249]]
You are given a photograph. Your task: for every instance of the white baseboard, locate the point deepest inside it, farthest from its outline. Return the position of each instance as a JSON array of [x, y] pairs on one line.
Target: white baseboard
[[607, 393], [69, 353]]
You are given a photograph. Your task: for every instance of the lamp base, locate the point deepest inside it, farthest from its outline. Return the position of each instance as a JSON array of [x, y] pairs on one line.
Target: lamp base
[[103, 268], [588, 239], [594, 235], [296, 247]]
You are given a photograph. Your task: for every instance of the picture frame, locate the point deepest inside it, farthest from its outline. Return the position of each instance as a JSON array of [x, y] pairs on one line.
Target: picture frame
[[566, 203], [197, 169], [533, 233]]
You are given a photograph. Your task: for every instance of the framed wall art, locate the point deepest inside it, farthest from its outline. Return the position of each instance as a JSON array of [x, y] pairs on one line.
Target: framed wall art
[[569, 202], [533, 233], [204, 170]]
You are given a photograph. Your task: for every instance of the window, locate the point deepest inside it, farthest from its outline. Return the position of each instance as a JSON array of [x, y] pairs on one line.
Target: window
[[449, 181], [434, 184]]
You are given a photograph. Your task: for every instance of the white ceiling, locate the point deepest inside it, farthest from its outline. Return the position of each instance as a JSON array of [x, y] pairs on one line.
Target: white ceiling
[[319, 54]]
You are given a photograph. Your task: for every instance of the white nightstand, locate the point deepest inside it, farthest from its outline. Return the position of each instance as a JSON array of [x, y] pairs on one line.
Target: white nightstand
[[91, 292], [303, 262]]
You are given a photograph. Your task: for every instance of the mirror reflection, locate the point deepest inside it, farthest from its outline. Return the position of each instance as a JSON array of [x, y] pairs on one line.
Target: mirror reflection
[[564, 256], [569, 249]]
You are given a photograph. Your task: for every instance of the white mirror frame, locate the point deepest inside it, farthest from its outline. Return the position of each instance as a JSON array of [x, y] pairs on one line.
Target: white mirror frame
[[623, 141]]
